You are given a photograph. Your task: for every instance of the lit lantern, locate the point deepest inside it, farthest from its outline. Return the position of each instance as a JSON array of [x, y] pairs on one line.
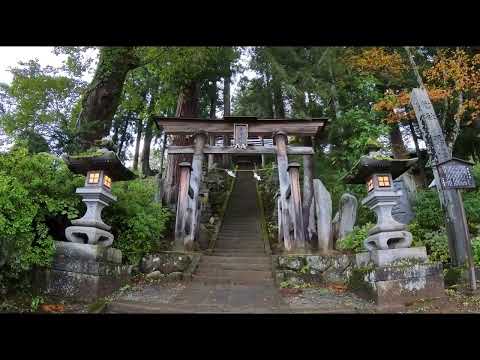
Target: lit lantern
[[378, 175], [100, 171]]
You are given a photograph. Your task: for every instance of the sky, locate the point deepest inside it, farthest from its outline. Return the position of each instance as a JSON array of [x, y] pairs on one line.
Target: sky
[[11, 55]]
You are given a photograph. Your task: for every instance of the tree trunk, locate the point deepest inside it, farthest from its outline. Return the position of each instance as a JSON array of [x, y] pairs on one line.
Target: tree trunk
[[123, 136], [456, 126], [421, 168], [211, 138], [396, 140], [137, 143], [226, 159], [187, 106], [278, 102], [102, 97], [334, 92], [147, 141]]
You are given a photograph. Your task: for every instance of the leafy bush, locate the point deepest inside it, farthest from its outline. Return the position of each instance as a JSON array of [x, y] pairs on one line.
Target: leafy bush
[[476, 250], [37, 196], [138, 222], [354, 241], [428, 213]]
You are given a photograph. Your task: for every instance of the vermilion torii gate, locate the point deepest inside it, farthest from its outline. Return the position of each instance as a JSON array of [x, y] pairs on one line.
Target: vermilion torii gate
[[293, 217]]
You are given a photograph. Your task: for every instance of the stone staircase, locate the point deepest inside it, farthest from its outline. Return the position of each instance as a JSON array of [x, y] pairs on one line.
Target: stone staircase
[[239, 255]]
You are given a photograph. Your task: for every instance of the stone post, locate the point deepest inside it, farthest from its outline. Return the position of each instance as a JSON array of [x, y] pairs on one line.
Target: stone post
[[323, 208], [195, 182], [182, 206], [296, 210], [280, 139]]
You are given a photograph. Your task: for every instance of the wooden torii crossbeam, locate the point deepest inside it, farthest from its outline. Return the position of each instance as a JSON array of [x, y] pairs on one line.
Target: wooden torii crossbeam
[[292, 227], [256, 127]]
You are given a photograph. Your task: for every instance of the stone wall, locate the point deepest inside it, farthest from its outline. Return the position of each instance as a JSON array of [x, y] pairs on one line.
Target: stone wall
[[169, 265], [318, 269]]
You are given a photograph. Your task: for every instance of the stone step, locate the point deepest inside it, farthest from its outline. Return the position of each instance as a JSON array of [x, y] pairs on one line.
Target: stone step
[[239, 253], [217, 271], [239, 240], [238, 246], [235, 259], [233, 266], [252, 228], [212, 280]]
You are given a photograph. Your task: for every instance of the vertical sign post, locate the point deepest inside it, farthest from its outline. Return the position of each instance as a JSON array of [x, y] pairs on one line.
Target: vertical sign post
[[457, 229]]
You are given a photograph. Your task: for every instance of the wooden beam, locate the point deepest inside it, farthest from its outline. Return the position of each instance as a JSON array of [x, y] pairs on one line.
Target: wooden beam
[[259, 127], [251, 150]]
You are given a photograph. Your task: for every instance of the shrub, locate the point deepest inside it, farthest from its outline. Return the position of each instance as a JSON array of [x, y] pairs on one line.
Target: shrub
[[435, 241], [476, 250], [37, 195], [354, 241], [138, 222], [428, 214]]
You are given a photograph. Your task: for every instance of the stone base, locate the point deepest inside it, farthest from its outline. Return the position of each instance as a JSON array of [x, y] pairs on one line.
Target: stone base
[[400, 284], [392, 256], [82, 272]]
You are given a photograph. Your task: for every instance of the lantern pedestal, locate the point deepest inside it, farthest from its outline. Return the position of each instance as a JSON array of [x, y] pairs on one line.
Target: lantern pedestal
[[397, 276], [390, 273], [82, 272]]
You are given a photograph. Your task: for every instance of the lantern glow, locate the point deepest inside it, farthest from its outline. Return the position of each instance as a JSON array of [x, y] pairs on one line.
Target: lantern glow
[[383, 181], [94, 177], [107, 181]]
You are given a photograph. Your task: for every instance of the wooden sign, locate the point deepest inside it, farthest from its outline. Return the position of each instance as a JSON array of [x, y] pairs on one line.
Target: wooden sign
[[240, 135], [430, 127], [455, 174]]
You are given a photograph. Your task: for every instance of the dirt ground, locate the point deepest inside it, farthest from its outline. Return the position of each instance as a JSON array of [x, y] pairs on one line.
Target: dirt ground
[[332, 299]]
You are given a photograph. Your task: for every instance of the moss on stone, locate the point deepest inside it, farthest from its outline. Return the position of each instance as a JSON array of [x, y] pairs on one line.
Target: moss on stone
[[356, 282]]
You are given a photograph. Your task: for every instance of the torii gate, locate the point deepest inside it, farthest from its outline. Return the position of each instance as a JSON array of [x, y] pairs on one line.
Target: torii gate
[[292, 231]]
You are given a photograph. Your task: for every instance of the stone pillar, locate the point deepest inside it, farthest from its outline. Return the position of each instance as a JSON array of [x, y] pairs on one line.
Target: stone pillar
[[309, 223], [182, 217], [296, 210], [323, 208], [347, 216], [280, 139], [195, 182]]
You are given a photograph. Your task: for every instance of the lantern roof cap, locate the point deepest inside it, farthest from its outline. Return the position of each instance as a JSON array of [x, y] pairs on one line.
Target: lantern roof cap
[[102, 159], [367, 166]]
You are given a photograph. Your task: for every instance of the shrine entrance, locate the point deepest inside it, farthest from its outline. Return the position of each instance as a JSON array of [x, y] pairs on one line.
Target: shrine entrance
[[247, 138]]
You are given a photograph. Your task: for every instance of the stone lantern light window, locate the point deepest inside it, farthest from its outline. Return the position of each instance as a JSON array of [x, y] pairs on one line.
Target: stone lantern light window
[[93, 177], [384, 181], [107, 181], [370, 185]]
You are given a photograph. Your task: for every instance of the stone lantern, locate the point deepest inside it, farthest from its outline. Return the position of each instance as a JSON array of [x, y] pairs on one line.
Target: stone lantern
[[378, 175], [390, 271], [101, 170], [86, 267]]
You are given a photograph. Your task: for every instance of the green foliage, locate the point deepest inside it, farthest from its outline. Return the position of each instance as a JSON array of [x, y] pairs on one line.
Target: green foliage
[[37, 193], [138, 222], [353, 242], [476, 250], [36, 302], [435, 241], [39, 106], [428, 213], [352, 134]]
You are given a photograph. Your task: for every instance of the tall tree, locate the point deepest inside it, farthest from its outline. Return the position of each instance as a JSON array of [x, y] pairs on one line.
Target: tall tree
[[103, 95]]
